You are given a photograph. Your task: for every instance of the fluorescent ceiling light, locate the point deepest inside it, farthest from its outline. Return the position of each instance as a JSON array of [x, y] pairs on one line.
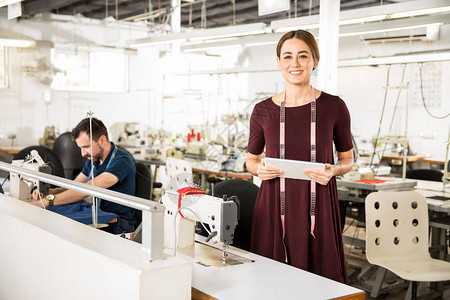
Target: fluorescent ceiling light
[[363, 32], [16, 42], [246, 41], [394, 25], [210, 48], [400, 59], [203, 35], [368, 14], [8, 2], [159, 40]]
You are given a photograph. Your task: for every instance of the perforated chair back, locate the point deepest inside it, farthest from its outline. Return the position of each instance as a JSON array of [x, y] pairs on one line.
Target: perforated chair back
[[397, 236], [179, 173]]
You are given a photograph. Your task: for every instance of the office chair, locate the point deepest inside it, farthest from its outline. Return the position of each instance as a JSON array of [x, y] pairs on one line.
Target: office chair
[[69, 154], [48, 155], [246, 192], [397, 237], [144, 187], [143, 190], [424, 174], [125, 150]]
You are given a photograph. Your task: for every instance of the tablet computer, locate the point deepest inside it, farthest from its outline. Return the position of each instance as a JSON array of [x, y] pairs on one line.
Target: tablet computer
[[293, 168]]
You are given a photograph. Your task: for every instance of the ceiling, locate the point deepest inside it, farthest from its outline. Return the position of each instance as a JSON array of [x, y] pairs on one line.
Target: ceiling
[[219, 13]]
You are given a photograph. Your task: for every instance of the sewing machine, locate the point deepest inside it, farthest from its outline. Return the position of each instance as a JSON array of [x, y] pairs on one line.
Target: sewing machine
[[22, 188], [221, 216]]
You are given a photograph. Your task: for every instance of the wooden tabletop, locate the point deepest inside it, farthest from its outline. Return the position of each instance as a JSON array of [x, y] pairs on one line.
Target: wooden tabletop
[[409, 158], [226, 174], [11, 149]]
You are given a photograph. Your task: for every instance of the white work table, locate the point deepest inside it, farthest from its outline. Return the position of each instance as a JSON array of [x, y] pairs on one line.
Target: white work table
[[434, 188], [266, 279]]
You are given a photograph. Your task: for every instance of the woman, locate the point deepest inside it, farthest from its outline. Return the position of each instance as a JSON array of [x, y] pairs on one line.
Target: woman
[[301, 227]]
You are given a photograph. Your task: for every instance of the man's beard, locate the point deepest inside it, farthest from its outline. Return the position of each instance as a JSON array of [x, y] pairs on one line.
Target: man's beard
[[99, 155]]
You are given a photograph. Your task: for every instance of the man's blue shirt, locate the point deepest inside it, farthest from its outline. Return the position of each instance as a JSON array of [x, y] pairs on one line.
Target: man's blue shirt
[[122, 166]]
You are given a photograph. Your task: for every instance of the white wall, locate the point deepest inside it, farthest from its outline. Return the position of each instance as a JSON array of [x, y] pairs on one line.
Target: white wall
[[153, 78], [23, 110]]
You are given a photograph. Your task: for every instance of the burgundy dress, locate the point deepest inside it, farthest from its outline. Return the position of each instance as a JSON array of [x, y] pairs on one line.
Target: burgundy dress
[[325, 254]]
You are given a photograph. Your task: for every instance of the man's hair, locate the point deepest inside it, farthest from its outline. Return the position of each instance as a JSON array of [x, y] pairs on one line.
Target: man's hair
[[98, 129]]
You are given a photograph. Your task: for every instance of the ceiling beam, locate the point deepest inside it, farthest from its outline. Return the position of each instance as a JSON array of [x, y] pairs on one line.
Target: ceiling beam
[[30, 8]]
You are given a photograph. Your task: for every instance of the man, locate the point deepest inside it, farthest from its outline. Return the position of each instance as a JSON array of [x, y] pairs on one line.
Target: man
[[113, 169]]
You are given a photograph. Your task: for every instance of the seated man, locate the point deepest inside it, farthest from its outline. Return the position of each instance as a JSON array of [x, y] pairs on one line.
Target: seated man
[[113, 169]]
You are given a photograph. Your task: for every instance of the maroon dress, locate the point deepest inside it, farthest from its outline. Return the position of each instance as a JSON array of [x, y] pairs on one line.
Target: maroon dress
[[325, 254]]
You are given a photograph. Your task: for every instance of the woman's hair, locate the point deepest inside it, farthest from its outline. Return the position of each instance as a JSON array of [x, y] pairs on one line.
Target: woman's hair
[[304, 36]]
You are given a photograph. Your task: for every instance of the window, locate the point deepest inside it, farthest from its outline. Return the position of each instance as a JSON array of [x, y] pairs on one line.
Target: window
[[90, 71]]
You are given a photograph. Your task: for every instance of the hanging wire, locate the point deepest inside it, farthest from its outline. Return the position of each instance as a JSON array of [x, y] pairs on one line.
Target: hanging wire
[[393, 115], [117, 10], [295, 7], [382, 114], [423, 98], [203, 16], [234, 11]]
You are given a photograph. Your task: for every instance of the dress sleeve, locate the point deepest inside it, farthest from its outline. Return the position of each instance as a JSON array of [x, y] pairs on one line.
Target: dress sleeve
[[256, 141], [342, 134]]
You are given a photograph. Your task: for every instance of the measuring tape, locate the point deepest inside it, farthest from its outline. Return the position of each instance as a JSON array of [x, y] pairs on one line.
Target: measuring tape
[[312, 209]]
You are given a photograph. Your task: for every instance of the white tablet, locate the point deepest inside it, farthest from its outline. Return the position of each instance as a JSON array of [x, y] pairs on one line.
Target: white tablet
[[293, 168]]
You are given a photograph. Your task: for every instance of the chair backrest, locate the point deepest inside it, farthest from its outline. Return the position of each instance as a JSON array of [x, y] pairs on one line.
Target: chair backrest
[[425, 174], [246, 191], [70, 155], [396, 226], [143, 187], [143, 181], [179, 172], [48, 155]]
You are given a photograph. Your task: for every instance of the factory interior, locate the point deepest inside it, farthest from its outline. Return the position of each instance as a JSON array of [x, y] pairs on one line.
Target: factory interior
[[175, 83]]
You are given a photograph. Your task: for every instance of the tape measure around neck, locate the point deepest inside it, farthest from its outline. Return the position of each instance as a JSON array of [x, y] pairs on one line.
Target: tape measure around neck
[[312, 208]]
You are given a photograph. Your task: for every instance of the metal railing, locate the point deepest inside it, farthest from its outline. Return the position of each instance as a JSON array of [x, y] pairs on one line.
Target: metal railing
[[152, 212]]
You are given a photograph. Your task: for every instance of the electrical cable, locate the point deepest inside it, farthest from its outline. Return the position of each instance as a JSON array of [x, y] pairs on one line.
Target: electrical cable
[[423, 98], [382, 114], [40, 199], [175, 227], [348, 226], [393, 117], [4, 181]]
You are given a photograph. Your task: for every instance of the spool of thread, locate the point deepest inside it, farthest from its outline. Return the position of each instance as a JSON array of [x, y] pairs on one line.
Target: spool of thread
[[192, 132], [188, 138], [198, 136]]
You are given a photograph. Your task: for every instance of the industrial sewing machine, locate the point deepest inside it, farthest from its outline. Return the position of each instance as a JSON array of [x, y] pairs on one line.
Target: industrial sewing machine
[[220, 214], [22, 188]]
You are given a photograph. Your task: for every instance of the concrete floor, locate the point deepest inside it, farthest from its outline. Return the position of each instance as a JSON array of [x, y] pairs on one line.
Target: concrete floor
[[356, 260]]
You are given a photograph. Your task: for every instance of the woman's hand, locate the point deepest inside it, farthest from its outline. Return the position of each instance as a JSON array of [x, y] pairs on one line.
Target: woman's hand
[[266, 173], [319, 176], [257, 167], [345, 164]]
